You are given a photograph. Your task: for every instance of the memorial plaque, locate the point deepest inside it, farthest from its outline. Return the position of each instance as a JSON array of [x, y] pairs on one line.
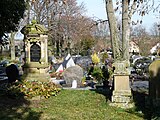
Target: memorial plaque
[[35, 53]]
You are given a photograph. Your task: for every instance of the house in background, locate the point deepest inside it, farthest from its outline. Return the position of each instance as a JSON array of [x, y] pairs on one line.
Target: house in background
[[68, 62], [133, 47], [155, 49]]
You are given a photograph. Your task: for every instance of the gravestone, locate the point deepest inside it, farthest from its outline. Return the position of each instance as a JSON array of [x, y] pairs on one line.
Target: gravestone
[[154, 83], [36, 54], [12, 73], [73, 73], [121, 96]]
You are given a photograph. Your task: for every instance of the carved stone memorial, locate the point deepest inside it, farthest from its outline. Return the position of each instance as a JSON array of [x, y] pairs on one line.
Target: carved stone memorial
[[35, 47], [121, 96]]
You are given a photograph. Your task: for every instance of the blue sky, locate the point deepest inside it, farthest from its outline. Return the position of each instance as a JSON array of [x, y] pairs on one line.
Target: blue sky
[[96, 8]]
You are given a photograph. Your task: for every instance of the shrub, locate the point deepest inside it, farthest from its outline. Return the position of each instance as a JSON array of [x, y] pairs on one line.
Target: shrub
[[97, 73], [104, 57], [95, 58], [31, 89]]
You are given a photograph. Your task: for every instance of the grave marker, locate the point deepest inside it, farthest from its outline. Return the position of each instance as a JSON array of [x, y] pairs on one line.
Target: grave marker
[[36, 54]]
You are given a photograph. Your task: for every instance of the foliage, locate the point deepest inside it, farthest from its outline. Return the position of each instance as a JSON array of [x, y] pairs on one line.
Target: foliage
[[11, 11], [95, 58], [32, 89], [97, 73], [83, 80], [104, 56], [87, 43]]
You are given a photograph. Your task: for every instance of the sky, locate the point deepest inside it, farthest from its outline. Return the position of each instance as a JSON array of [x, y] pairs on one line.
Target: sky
[[96, 9]]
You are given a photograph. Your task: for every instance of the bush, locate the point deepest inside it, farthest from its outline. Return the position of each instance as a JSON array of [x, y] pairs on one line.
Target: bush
[[31, 89], [104, 57], [97, 73], [95, 58]]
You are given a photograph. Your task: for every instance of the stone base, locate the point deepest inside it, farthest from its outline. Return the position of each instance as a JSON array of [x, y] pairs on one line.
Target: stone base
[[35, 70], [122, 105], [122, 98], [37, 76], [35, 67]]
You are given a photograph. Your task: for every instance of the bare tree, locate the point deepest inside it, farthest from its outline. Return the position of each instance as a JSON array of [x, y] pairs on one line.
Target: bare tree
[[142, 38], [101, 35], [63, 19], [155, 30], [129, 7]]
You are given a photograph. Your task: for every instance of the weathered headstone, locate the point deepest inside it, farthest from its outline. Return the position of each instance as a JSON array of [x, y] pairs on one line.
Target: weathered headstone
[[121, 96], [74, 73], [154, 83]]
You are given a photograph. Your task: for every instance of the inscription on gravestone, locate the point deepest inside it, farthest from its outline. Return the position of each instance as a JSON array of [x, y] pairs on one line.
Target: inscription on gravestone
[[35, 53]]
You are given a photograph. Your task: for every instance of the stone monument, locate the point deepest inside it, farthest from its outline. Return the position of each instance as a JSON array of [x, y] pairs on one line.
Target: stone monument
[[36, 55], [121, 96], [154, 83]]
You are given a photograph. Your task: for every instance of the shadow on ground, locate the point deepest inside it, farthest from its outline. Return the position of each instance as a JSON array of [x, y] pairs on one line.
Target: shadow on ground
[[16, 107], [142, 107], [106, 91]]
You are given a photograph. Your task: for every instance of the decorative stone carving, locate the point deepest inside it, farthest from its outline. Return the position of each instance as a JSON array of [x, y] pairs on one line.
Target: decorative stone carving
[[36, 55], [121, 67]]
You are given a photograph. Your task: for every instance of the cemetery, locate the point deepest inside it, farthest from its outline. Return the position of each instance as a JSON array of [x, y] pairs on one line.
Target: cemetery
[[58, 64], [124, 89]]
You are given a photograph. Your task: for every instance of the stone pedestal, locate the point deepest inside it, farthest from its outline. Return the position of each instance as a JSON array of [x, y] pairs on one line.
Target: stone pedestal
[[36, 71], [122, 96]]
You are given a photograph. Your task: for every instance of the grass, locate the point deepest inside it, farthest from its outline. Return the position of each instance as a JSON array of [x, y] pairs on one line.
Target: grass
[[68, 105]]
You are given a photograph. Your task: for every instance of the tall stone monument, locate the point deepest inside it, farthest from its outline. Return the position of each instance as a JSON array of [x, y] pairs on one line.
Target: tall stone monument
[[121, 96], [36, 55]]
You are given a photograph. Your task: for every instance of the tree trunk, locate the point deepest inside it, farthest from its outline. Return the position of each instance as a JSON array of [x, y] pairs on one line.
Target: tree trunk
[[125, 30], [28, 12], [113, 30], [13, 57]]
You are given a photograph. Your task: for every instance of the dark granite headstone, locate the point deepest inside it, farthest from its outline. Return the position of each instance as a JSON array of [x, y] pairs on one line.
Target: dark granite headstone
[[12, 73]]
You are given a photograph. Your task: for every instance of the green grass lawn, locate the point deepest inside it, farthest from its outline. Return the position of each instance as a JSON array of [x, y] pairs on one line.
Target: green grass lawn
[[67, 105]]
